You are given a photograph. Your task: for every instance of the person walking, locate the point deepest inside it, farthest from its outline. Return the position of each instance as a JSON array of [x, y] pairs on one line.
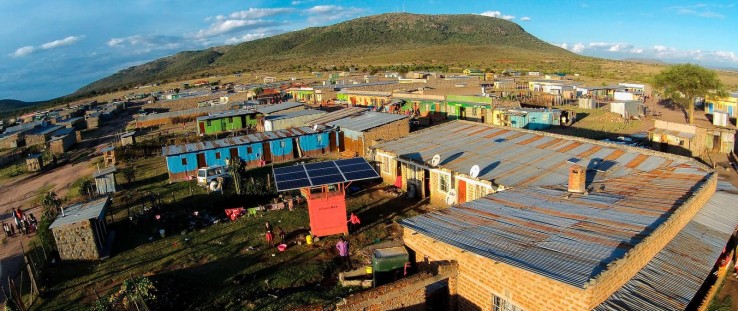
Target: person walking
[[354, 223], [343, 252], [281, 235], [6, 229]]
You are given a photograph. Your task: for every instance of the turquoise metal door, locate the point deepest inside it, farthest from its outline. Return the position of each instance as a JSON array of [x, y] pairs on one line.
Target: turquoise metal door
[[710, 107], [730, 111]]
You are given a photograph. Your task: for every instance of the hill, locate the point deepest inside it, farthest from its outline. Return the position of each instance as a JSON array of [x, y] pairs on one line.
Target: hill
[[9, 105], [385, 39]]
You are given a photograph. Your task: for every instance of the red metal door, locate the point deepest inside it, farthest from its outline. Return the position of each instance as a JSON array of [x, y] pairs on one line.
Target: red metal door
[[202, 127], [201, 160], [462, 191]]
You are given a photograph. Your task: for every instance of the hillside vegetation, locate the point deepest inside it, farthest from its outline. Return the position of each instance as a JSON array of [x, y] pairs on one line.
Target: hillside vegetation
[[386, 39]]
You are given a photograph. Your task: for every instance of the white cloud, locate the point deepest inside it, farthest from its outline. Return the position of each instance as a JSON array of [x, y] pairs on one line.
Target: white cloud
[[20, 52], [578, 48], [325, 13], [256, 13], [498, 14], [27, 50], [62, 42], [661, 52], [142, 44], [246, 37], [525, 18], [701, 10], [226, 26]]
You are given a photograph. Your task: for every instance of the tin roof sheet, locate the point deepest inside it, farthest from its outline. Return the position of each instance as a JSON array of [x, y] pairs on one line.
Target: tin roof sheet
[[672, 278], [43, 130], [336, 115], [516, 157], [104, 171], [238, 140], [366, 121], [81, 211], [568, 238], [225, 114], [269, 109], [295, 114], [660, 131]]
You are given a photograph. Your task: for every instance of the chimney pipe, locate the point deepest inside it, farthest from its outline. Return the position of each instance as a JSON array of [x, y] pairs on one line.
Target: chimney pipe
[[577, 179]]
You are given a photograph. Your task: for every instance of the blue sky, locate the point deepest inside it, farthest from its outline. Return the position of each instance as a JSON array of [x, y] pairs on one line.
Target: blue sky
[[50, 48]]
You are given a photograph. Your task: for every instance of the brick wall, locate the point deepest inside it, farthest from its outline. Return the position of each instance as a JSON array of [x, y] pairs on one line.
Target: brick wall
[[390, 131], [62, 145], [76, 241], [480, 277], [406, 294]]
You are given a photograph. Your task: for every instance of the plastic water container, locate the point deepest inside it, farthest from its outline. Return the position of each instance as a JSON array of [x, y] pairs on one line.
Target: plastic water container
[[309, 239]]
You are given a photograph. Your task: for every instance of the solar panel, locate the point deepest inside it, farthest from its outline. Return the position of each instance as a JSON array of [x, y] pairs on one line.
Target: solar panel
[[323, 173]]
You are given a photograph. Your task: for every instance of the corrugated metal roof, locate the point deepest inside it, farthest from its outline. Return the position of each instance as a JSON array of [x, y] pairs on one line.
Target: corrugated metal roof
[[23, 127], [62, 132], [366, 121], [126, 134], [294, 114], [225, 114], [570, 239], [186, 112], [104, 171], [269, 109], [236, 141], [81, 211], [44, 130], [672, 278], [336, 115], [516, 157], [660, 131]]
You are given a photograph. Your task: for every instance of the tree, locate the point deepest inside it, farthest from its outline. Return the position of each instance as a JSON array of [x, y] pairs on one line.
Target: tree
[[86, 188], [684, 83]]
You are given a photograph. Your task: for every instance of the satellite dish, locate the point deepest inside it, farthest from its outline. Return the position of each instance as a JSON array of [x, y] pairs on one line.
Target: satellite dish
[[436, 160], [315, 128], [474, 171], [451, 197]]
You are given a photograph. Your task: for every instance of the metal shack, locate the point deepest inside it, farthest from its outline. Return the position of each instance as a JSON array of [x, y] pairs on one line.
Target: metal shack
[[80, 230], [534, 119], [358, 133], [291, 119], [254, 149], [627, 108], [227, 121], [105, 180]]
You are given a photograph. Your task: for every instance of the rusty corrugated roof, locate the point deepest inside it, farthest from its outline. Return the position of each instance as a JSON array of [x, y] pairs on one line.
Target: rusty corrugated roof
[[568, 238]]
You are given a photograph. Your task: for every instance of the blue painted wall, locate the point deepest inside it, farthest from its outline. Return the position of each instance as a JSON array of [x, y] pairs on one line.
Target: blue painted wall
[[174, 163], [315, 141], [279, 150]]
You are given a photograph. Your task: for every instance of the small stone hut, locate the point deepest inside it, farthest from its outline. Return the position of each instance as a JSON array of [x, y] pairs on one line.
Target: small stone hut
[[80, 231]]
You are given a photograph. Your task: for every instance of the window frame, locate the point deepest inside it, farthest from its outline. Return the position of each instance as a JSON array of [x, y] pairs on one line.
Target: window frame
[[184, 161], [441, 176], [217, 155], [385, 165]]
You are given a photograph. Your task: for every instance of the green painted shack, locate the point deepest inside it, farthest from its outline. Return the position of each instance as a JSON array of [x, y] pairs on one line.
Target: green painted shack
[[228, 121], [472, 108]]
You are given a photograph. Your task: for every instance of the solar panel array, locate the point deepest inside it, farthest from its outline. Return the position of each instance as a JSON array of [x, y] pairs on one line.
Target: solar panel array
[[323, 173]]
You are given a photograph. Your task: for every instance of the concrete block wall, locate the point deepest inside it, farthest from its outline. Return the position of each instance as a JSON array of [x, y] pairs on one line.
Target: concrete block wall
[[77, 241], [390, 131]]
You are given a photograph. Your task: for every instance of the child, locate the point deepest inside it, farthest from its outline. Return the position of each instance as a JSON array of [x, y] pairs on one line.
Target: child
[[281, 235], [270, 237]]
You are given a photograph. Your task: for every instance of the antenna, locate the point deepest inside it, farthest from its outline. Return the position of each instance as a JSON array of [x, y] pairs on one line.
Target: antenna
[[436, 160], [315, 128], [474, 171]]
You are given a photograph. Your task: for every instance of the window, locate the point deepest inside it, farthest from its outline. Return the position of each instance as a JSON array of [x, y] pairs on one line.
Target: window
[[499, 304], [184, 161], [443, 182], [230, 119], [385, 165], [249, 149], [217, 155], [210, 123]]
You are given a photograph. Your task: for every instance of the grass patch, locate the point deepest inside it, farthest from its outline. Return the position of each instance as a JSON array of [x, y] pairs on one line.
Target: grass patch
[[223, 266]]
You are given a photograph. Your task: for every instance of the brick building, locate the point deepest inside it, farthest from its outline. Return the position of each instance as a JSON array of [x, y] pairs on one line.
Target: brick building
[[359, 133], [81, 231], [645, 231]]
